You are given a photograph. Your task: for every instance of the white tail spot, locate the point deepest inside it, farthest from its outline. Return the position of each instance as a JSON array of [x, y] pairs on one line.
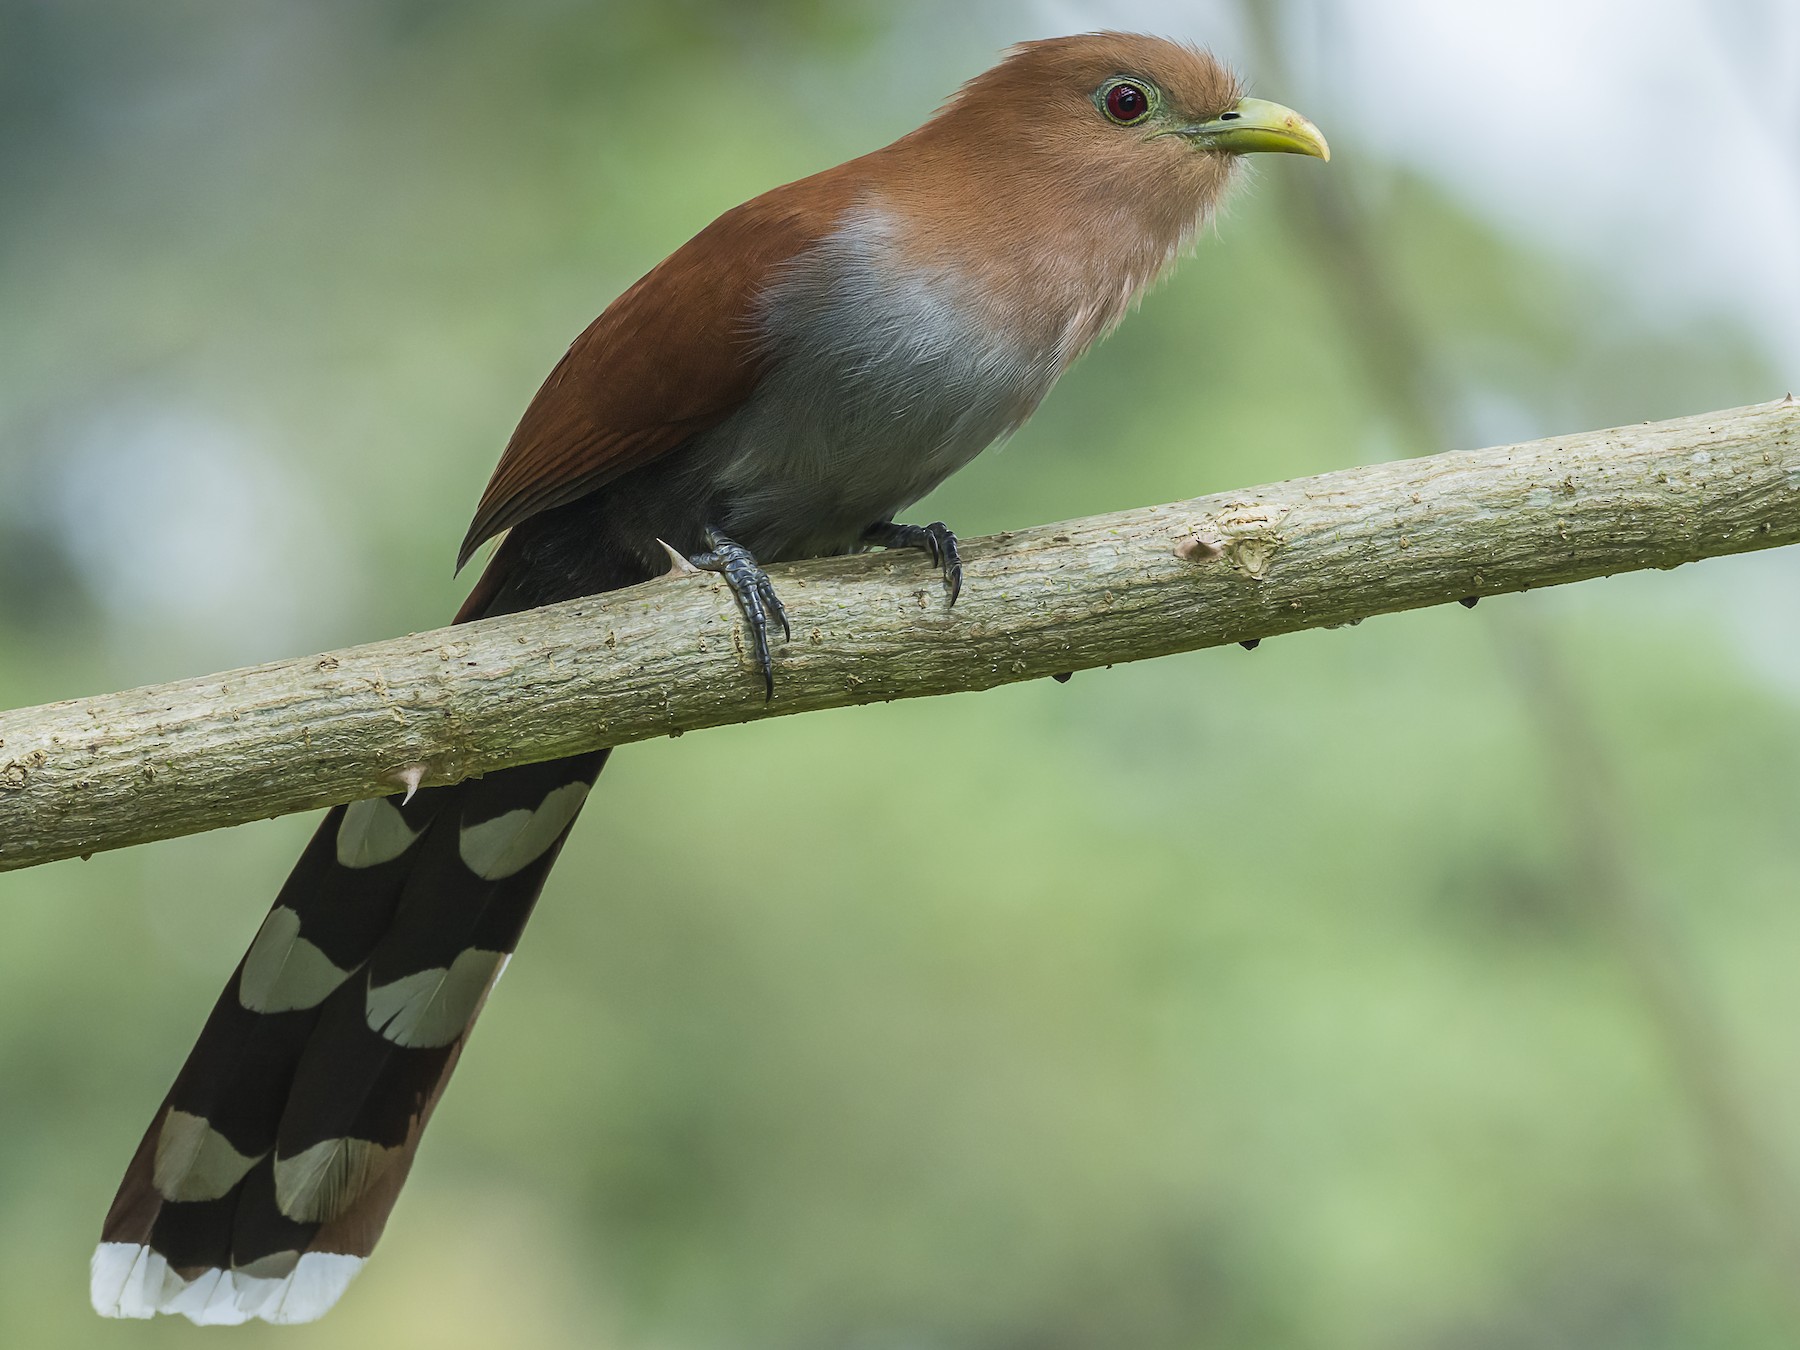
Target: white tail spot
[[320, 1183], [194, 1161], [497, 848], [283, 971], [373, 832], [431, 1008]]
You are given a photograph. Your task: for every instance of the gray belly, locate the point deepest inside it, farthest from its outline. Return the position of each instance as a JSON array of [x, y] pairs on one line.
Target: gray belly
[[881, 384]]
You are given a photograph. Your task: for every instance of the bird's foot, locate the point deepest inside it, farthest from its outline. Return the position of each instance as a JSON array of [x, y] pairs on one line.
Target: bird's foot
[[938, 543], [755, 596]]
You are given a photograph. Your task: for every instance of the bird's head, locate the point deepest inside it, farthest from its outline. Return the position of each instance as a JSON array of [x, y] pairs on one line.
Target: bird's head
[[1145, 124]]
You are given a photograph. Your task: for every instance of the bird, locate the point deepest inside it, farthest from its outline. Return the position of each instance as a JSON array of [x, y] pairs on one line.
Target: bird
[[783, 386]]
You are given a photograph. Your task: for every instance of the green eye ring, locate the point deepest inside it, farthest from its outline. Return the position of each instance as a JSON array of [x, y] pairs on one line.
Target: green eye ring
[[1126, 103]]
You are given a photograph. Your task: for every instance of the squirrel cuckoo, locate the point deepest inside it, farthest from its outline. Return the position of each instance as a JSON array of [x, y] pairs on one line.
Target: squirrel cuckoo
[[785, 383]]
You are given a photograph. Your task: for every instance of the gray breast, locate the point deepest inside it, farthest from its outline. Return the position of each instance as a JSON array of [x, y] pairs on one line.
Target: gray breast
[[881, 383]]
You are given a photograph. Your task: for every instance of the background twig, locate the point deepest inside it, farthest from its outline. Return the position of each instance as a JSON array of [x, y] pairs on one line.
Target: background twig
[[1398, 359]]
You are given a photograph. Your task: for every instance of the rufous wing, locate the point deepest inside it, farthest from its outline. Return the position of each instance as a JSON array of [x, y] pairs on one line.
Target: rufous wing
[[670, 358]]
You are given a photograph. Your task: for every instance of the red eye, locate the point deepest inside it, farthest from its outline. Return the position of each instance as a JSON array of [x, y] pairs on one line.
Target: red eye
[[1127, 103]]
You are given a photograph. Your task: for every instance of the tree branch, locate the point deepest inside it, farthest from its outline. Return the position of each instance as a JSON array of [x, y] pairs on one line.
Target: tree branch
[[668, 657]]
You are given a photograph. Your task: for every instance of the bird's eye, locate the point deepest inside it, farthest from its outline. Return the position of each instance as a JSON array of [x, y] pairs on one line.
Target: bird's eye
[[1126, 103]]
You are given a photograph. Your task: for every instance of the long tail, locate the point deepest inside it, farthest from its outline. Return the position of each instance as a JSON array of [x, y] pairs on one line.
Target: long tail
[[267, 1175]]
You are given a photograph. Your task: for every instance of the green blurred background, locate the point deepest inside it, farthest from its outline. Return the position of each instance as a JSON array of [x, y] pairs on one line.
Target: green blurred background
[[1429, 984]]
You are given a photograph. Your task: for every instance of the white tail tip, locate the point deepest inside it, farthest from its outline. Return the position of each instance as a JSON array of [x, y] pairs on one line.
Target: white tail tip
[[129, 1280]]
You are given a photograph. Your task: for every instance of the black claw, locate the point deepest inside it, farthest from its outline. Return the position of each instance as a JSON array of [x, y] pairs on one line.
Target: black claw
[[755, 595], [772, 602], [936, 540], [1251, 645], [1469, 601], [1063, 676]]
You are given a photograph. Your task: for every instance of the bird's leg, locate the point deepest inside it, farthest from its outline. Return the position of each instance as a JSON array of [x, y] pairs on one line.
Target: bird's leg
[[935, 539], [755, 596]]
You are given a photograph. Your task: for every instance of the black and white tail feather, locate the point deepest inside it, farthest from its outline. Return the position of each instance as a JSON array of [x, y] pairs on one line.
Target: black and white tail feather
[[267, 1175]]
